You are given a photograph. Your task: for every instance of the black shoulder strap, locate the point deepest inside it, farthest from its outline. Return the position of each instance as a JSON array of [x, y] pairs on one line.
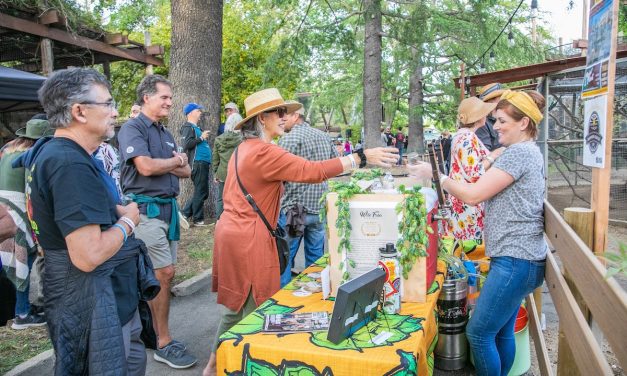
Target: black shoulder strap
[[250, 199]]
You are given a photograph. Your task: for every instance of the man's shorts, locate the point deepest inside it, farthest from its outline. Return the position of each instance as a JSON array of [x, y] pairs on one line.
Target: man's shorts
[[154, 232]]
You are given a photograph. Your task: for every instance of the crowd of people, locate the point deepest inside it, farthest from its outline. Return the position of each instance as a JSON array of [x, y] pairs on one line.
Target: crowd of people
[[100, 224]]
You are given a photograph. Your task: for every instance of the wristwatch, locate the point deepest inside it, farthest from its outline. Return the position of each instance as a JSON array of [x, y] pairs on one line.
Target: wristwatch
[[362, 157]]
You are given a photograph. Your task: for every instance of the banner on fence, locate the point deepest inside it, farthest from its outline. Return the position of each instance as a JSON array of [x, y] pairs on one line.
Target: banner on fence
[[595, 80], [594, 131]]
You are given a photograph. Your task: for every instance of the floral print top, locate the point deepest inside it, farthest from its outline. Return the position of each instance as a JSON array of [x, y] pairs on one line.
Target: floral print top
[[467, 152]]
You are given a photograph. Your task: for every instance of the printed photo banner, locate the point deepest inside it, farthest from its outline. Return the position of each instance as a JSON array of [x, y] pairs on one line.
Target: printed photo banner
[[595, 80]]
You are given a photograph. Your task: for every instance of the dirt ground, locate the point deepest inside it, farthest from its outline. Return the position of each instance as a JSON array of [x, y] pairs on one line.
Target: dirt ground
[[195, 252]]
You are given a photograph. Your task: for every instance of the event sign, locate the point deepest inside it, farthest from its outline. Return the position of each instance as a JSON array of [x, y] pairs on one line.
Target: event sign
[[595, 130], [595, 80]]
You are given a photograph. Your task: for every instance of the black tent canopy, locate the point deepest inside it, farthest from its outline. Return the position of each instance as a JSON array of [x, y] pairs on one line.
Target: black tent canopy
[[18, 90]]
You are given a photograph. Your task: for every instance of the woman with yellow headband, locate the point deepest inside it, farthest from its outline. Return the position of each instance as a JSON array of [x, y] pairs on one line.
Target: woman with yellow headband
[[513, 192]]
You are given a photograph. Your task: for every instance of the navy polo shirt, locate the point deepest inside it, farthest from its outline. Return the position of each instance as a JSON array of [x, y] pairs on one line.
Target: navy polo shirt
[[143, 137]]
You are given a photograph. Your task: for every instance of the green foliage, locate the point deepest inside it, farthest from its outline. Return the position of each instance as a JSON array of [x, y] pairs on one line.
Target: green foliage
[[413, 228], [617, 261]]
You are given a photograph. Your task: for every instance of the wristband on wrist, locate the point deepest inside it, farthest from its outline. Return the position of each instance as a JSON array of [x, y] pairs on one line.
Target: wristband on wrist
[[129, 223], [443, 178], [362, 157], [123, 231], [489, 159], [353, 162]]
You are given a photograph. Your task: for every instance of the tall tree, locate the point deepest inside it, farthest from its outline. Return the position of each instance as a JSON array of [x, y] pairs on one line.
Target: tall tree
[[196, 68], [372, 73]]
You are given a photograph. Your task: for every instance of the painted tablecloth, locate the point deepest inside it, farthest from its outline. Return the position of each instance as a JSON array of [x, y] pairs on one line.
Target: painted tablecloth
[[246, 350]]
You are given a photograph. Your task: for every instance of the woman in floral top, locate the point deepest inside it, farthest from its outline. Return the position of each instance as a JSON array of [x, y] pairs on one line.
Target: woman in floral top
[[469, 160]]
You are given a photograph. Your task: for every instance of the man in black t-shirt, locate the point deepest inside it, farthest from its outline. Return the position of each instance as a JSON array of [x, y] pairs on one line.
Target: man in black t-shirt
[[91, 275]]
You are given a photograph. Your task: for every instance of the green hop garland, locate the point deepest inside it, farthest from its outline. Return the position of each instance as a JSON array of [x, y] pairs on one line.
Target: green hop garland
[[413, 240]]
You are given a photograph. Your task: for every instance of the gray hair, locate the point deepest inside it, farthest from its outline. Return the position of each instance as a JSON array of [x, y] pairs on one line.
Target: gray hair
[[63, 89], [148, 86], [252, 129], [231, 122]]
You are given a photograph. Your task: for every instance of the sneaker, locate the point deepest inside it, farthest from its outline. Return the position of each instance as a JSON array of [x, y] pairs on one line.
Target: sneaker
[[200, 223], [174, 355], [28, 321]]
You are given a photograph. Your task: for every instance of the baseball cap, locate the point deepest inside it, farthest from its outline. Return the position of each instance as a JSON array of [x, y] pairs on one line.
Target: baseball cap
[[191, 107]]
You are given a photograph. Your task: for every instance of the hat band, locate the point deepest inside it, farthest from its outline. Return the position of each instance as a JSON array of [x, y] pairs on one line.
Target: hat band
[[265, 105], [490, 90]]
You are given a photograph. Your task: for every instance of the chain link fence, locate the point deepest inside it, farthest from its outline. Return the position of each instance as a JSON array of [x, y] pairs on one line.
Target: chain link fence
[[569, 180]]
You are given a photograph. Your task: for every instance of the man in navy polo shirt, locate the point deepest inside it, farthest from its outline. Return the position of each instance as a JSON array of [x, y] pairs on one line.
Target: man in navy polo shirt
[[149, 175], [199, 156]]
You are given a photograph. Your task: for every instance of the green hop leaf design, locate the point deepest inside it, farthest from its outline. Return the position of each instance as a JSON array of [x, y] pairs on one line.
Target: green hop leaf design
[[401, 327], [408, 366], [252, 366], [253, 323]]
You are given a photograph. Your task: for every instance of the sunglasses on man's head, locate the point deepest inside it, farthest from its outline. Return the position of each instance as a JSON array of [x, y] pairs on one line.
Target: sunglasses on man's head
[[281, 111]]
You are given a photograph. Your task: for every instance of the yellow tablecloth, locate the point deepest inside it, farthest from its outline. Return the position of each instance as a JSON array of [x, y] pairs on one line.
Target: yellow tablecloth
[[245, 350]]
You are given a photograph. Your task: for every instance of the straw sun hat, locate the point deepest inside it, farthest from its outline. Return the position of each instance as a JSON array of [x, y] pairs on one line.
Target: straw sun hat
[[265, 100], [472, 109], [491, 91]]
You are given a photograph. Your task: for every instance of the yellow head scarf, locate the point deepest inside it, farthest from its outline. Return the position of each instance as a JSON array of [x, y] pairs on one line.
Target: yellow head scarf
[[524, 103]]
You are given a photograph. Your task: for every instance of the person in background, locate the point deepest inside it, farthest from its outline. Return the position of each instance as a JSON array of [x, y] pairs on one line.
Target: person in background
[[199, 156], [245, 262], [445, 142], [400, 145], [135, 110], [151, 169], [19, 252], [347, 148], [513, 190], [491, 93], [301, 201], [229, 109], [223, 149], [358, 145], [469, 161]]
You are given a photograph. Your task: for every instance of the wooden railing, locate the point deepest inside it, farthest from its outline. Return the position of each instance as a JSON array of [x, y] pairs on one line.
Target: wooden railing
[[604, 297]]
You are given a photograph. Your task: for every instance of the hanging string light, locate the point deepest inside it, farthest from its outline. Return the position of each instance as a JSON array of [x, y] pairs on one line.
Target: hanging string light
[[510, 37], [492, 57]]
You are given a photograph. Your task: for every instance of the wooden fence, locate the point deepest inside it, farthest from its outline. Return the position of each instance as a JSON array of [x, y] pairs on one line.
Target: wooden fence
[[604, 298]]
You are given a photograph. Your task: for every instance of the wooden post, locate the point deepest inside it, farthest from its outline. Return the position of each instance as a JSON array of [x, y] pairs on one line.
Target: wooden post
[[47, 57], [146, 44], [462, 85], [106, 69], [600, 201], [581, 220]]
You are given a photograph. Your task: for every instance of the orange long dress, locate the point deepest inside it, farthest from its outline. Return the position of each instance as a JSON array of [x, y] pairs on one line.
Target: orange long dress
[[244, 255]]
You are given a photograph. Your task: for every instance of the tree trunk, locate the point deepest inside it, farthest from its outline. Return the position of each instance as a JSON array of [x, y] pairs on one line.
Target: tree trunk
[[416, 103], [372, 74], [196, 73]]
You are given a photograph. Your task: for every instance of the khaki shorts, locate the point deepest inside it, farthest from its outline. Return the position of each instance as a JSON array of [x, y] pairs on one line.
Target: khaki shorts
[[154, 232]]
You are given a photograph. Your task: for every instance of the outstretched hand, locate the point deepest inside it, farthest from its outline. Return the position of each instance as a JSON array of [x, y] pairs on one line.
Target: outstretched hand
[[422, 170], [384, 157]]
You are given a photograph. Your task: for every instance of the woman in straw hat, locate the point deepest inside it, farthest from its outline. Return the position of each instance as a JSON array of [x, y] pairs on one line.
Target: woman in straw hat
[[469, 160], [513, 190], [245, 262], [18, 253]]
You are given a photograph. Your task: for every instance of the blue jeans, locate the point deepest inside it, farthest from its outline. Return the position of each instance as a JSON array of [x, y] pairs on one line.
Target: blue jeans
[[490, 330], [314, 244], [22, 304]]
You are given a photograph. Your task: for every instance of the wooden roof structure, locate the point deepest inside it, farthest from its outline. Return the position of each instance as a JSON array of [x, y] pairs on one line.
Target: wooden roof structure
[[42, 42], [528, 72]]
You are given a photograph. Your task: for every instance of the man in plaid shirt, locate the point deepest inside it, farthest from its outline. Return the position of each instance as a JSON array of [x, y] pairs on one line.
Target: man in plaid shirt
[[314, 145]]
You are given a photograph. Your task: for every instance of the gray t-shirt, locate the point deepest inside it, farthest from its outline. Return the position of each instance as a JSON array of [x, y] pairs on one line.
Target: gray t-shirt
[[514, 218]]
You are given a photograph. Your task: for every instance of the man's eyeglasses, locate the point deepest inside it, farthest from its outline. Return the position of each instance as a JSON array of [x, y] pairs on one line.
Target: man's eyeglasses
[[112, 104], [281, 111]]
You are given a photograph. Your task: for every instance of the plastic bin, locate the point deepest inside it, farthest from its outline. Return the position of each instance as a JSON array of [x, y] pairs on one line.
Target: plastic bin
[[522, 360]]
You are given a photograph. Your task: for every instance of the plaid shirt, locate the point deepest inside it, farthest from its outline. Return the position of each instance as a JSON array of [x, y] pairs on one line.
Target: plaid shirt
[[313, 145]]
